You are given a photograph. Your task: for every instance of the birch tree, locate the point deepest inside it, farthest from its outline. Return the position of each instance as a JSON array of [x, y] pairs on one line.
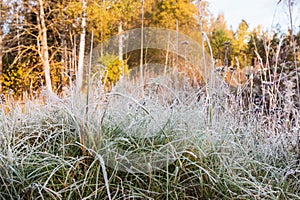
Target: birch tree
[[142, 49], [79, 78], [44, 45], [2, 21]]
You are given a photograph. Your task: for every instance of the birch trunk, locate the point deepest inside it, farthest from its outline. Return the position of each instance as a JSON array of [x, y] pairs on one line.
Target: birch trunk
[[44, 46], [142, 50], [120, 31], [79, 78]]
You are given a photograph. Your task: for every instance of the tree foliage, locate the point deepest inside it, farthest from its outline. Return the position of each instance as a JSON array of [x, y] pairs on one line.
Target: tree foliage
[[111, 70], [22, 64]]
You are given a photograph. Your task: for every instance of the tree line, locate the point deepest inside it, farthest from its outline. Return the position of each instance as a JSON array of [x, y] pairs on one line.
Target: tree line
[[43, 43]]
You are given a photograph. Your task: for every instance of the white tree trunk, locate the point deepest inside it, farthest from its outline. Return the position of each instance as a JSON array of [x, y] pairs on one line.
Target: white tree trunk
[[142, 50], [44, 46], [121, 46], [79, 78], [120, 30]]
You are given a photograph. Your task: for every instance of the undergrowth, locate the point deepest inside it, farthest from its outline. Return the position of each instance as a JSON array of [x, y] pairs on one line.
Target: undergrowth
[[170, 141]]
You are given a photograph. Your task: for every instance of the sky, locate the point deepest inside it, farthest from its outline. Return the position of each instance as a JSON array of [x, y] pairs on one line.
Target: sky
[[255, 12]]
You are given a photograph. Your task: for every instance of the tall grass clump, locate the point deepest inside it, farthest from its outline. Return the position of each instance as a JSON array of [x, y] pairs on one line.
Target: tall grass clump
[[169, 141]]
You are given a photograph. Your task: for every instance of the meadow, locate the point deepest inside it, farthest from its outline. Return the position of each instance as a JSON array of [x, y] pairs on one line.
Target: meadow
[[217, 119], [168, 140]]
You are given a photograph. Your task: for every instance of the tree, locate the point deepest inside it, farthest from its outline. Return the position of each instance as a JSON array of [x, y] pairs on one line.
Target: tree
[[79, 78], [256, 46], [240, 44], [127, 9], [218, 36], [44, 45], [166, 13], [111, 69], [3, 17], [27, 41], [40, 40]]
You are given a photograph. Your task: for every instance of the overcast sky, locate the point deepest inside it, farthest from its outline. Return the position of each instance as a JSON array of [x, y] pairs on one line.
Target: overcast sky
[[255, 12]]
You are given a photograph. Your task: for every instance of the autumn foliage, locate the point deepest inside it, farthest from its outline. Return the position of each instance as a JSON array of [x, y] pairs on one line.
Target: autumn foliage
[[22, 67]]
